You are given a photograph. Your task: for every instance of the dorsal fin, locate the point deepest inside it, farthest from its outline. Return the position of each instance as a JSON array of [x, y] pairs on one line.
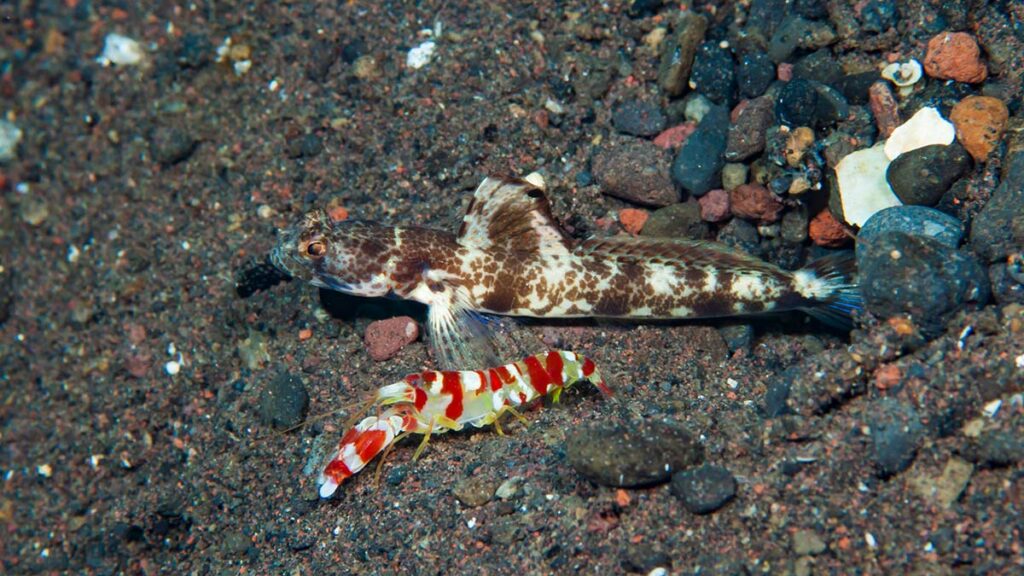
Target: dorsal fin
[[672, 250], [512, 213]]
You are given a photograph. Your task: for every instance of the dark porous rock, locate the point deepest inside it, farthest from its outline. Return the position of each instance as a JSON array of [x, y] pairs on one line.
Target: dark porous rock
[[304, 146], [1007, 280], [705, 489], [820, 66], [283, 402], [638, 118], [920, 276], [644, 8], [636, 171], [698, 165], [714, 73], [878, 16], [818, 384], [633, 454], [322, 55], [195, 51], [644, 557], [896, 433], [998, 230], [797, 32], [747, 136], [798, 102], [677, 59], [741, 235], [682, 220], [755, 73], [6, 293], [811, 9], [913, 220], [855, 87], [995, 449], [171, 145], [737, 336], [809, 103], [794, 226], [832, 106], [923, 175]]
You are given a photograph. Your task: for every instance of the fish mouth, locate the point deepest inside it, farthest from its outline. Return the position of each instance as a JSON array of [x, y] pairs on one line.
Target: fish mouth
[[283, 253]]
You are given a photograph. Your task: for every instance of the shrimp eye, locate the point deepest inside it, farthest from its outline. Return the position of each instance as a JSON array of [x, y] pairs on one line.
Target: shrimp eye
[[315, 249]]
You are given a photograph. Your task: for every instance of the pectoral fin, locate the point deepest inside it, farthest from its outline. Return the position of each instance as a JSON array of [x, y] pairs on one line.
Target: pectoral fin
[[459, 337]]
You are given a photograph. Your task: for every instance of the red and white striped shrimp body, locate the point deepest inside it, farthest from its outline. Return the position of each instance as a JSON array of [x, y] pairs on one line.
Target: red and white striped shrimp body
[[435, 402], [449, 400], [362, 443]]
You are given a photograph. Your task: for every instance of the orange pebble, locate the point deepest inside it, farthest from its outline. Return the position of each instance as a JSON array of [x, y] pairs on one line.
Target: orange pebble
[[633, 220], [622, 498], [305, 334], [887, 376], [338, 213]]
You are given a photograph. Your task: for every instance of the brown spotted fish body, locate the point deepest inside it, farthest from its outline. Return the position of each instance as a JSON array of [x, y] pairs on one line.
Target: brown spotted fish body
[[511, 258]]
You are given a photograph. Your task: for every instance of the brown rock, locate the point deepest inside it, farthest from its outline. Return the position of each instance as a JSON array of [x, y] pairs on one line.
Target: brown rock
[[825, 230], [633, 220], [714, 206], [747, 133], [980, 122], [637, 171], [385, 338], [955, 56], [884, 107], [755, 202]]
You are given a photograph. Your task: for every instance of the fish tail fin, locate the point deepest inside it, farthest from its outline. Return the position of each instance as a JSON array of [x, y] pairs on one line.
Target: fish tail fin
[[829, 289]]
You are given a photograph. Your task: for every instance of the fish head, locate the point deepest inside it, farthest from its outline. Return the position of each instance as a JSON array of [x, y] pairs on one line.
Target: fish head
[[349, 256]]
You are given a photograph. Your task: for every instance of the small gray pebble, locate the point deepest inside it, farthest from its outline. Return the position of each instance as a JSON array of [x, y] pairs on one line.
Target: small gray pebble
[[704, 490]]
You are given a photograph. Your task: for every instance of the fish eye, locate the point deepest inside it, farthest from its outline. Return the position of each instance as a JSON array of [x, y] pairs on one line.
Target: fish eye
[[314, 249]]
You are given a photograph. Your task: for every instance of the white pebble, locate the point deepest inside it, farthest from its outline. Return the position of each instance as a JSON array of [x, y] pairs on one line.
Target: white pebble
[[172, 367], [73, 254], [420, 56], [992, 408], [44, 470], [10, 135], [121, 50], [870, 539]]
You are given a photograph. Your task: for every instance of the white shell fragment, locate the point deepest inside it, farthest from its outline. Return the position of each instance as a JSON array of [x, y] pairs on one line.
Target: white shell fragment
[[420, 56], [863, 188], [121, 50], [903, 74], [537, 179], [925, 128]]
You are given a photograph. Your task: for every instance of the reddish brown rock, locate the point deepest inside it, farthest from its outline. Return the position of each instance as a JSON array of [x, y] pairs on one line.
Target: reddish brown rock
[[755, 202], [673, 137], [385, 338], [884, 107], [633, 220], [980, 122], [955, 56], [825, 230], [714, 206], [636, 171]]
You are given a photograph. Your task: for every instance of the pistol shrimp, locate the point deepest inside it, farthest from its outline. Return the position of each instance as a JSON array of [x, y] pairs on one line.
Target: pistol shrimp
[[434, 402]]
